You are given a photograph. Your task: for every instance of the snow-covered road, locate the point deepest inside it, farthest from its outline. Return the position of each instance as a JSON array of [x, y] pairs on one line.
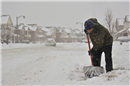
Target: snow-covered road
[[60, 65]]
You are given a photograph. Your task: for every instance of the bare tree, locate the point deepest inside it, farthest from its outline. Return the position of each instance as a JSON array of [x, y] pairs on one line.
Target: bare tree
[[109, 22]]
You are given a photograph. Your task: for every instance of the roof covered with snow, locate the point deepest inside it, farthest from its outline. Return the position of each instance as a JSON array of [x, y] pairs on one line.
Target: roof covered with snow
[[68, 30], [47, 30], [20, 27], [60, 30], [48, 34], [32, 27], [4, 19], [26, 27], [77, 31]]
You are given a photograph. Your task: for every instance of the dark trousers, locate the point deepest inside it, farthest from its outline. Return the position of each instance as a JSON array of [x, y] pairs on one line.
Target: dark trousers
[[108, 57]]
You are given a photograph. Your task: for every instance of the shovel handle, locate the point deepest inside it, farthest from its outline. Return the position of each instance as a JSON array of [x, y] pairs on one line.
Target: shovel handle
[[89, 49]]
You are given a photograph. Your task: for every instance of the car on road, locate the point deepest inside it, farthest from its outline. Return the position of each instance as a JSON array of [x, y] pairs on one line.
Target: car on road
[[25, 41], [50, 42], [124, 39]]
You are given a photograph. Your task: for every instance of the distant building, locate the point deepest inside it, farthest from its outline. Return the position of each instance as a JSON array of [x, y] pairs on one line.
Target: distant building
[[20, 33], [27, 35], [78, 34], [68, 37], [7, 29], [33, 32], [120, 23], [123, 27], [59, 31], [41, 34], [51, 32]]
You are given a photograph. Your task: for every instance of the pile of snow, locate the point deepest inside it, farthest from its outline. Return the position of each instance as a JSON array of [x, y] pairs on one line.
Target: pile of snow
[[61, 65]]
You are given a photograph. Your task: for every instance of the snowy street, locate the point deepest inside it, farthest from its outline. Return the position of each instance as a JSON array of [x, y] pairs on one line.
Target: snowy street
[[61, 65]]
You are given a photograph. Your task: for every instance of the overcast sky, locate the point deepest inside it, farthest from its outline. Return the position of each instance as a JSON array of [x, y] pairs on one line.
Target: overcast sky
[[64, 14]]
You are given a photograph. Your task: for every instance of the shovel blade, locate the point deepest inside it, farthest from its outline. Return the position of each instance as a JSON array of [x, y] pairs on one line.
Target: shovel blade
[[93, 71]]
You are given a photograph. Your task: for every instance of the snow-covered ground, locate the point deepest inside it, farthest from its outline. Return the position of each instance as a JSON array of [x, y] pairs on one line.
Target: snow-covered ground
[[36, 64]]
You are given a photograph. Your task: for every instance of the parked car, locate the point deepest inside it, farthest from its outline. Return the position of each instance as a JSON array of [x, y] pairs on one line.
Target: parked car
[[5, 41], [25, 41], [50, 42], [17, 41], [124, 39]]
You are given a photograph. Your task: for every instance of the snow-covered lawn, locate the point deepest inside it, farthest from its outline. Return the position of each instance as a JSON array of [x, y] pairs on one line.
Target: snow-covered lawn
[[36, 64]]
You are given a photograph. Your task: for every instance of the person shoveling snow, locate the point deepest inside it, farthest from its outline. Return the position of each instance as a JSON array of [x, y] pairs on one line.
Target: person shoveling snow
[[102, 42]]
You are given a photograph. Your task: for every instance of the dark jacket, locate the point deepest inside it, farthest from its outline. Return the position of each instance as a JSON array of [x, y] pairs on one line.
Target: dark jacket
[[100, 36]]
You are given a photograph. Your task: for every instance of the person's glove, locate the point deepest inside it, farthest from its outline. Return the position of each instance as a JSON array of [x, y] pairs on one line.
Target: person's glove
[[85, 31], [91, 52]]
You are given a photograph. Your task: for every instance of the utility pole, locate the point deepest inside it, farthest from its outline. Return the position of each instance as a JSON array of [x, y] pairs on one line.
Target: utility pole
[[17, 25]]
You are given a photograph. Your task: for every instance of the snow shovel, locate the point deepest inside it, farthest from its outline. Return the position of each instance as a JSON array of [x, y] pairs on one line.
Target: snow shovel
[[92, 71]]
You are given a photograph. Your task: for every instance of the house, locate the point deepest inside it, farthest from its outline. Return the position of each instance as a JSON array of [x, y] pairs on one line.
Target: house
[[63, 35], [33, 32], [78, 34], [68, 37], [7, 29], [125, 27], [120, 23], [52, 31], [60, 34], [19, 33], [127, 23], [41, 34], [48, 32], [27, 35]]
